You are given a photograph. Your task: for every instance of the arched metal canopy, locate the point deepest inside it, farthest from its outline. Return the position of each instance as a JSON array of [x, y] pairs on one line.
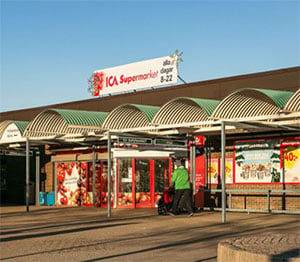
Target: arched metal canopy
[[21, 125], [63, 121], [251, 102], [293, 104], [130, 116], [184, 110]]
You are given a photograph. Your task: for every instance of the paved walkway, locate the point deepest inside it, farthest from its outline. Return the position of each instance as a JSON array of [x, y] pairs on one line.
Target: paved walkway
[[87, 234]]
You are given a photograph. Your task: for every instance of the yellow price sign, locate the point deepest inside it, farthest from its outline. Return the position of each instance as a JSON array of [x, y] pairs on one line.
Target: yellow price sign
[[291, 156], [212, 169], [228, 169]]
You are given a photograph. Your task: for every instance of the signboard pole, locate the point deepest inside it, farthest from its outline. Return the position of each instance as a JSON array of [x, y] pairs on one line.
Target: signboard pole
[[37, 178], [223, 144], [94, 177], [27, 174], [109, 174]]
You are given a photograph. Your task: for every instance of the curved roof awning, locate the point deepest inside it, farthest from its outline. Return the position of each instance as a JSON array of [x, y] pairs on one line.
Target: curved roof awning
[[250, 103], [63, 121], [185, 110], [130, 116], [293, 105], [12, 129]]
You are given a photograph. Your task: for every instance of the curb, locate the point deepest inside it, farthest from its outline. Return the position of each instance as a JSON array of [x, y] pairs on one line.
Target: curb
[[260, 248]]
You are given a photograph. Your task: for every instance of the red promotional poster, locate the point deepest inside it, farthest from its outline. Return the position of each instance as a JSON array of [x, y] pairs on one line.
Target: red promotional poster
[[72, 184]]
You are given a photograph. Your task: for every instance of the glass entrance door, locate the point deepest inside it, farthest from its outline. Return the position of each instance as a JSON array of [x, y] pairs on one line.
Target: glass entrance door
[[125, 178], [162, 169], [143, 183]]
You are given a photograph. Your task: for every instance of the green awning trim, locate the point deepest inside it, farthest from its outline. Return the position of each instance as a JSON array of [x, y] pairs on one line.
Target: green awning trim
[[148, 111], [81, 117], [207, 105], [293, 105], [280, 98]]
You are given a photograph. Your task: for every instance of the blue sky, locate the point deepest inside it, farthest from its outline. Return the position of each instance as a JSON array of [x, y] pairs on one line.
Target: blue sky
[[50, 48]]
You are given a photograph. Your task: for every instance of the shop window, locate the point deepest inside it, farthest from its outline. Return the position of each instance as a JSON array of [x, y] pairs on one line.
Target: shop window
[[104, 183], [97, 183]]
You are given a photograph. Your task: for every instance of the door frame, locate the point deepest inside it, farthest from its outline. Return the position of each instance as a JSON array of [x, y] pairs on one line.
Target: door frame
[[151, 181]]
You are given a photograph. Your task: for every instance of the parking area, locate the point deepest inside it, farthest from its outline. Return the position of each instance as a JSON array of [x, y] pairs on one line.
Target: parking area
[[87, 234]]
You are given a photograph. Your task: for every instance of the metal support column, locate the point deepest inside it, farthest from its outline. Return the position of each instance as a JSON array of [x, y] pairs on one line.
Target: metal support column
[[193, 166], [191, 162], [115, 184], [37, 178], [54, 178], [27, 174], [223, 144], [94, 176], [109, 174], [268, 200]]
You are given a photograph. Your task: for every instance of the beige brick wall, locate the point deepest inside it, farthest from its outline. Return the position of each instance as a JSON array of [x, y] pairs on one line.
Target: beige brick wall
[[249, 200], [49, 177]]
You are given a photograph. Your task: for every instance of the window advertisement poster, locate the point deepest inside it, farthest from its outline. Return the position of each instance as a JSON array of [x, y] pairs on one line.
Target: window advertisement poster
[[291, 158], [228, 170], [97, 183], [72, 184], [213, 170], [257, 162]]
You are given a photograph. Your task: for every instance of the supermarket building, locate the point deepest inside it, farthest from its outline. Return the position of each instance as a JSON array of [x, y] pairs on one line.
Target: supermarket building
[[123, 147]]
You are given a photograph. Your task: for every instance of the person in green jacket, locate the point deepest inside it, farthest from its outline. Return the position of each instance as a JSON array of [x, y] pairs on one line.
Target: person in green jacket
[[180, 181]]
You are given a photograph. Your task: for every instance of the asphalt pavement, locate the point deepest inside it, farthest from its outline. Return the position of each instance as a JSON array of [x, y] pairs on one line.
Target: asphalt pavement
[[88, 234]]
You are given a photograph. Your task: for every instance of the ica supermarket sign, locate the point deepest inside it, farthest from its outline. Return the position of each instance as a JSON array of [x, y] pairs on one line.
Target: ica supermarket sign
[[149, 73]]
